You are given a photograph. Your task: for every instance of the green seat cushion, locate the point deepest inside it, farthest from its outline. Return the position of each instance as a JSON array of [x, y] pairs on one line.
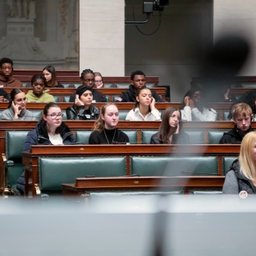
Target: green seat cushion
[[195, 137], [146, 135], [227, 161], [214, 136], [174, 166], [83, 136], [53, 171]]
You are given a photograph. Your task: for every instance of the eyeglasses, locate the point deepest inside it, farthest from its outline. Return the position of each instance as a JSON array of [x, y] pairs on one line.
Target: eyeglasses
[[98, 81], [54, 115]]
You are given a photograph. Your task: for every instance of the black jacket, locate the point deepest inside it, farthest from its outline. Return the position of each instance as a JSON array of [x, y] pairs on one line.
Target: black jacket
[[234, 136], [97, 96], [91, 114], [130, 95], [114, 136], [180, 138], [40, 136]]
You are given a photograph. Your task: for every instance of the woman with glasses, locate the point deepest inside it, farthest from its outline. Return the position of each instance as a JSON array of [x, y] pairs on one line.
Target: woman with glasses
[[50, 77], [170, 130], [194, 108], [98, 80], [39, 94], [50, 130], [82, 109], [17, 107]]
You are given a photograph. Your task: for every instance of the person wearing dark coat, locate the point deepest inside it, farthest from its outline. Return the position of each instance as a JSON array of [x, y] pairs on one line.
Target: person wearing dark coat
[[241, 178], [87, 78], [82, 109], [241, 116], [138, 80], [170, 130], [50, 130], [105, 131]]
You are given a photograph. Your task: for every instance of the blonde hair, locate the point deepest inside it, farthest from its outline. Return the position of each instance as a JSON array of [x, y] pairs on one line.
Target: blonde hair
[[241, 109], [247, 166], [99, 124]]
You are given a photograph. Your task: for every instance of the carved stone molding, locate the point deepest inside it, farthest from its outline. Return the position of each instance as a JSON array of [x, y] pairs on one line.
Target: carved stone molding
[[63, 9]]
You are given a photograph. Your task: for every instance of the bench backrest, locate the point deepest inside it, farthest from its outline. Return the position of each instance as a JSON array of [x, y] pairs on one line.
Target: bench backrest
[[14, 142], [174, 166], [53, 171]]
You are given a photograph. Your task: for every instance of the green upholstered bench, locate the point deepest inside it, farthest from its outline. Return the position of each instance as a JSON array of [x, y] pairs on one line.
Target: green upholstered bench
[[146, 135], [56, 98], [227, 161], [53, 171], [225, 115], [37, 113], [215, 135], [83, 136], [14, 142], [174, 166], [123, 114], [195, 137]]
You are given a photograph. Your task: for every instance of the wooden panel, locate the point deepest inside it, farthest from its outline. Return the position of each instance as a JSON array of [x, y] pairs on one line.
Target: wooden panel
[[163, 183]]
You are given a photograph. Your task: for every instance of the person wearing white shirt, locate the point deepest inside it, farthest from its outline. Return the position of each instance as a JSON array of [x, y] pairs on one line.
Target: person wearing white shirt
[[144, 109], [193, 108]]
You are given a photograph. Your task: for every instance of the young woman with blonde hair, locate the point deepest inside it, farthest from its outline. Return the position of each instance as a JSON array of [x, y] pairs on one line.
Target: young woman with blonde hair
[[105, 131], [241, 178]]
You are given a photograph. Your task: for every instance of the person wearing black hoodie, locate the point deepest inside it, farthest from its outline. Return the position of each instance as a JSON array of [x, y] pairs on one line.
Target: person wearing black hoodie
[[138, 80], [242, 117]]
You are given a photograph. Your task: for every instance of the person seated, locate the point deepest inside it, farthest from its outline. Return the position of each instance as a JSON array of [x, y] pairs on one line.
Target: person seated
[[144, 109], [194, 108], [241, 116], [248, 98], [38, 94], [87, 78], [170, 130], [98, 80], [241, 178], [105, 131], [6, 74], [138, 80], [50, 77], [50, 130], [82, 109], [17, 107]]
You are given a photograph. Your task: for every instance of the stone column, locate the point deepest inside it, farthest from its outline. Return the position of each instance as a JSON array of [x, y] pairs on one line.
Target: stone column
[[101, 34]]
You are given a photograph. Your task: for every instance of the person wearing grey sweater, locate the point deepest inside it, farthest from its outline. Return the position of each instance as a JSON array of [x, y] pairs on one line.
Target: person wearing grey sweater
[[17, 107]]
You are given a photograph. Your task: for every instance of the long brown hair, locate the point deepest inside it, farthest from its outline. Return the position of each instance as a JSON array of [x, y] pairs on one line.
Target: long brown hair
[[99, 124], [164, 129]]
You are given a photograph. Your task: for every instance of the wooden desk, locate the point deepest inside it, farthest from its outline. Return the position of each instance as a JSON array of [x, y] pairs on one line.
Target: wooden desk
[[154, 183], [30, 160], [73, 76]]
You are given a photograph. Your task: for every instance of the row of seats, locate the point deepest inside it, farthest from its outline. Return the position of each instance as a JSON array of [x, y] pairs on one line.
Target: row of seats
[[122, 114], [106, 85], [53, 171], [15, 140]]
